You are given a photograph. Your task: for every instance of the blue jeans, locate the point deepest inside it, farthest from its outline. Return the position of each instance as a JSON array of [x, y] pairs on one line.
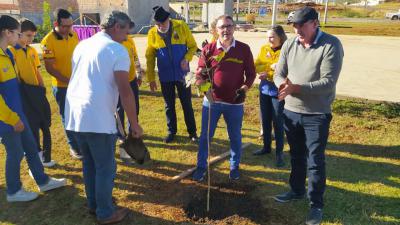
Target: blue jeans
[[307, 136], [120, 109], [99, 168], [60, 94], [16, 144], [185, 96], [233, 116], [272, 112]]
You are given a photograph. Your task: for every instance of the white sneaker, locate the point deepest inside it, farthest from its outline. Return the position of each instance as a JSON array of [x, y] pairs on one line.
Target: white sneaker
[[75, 154], [53, 183], [22, 196], [124, 156], [49, 164]]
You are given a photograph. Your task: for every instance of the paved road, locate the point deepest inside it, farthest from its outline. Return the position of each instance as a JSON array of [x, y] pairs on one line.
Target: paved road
[[371, 66]]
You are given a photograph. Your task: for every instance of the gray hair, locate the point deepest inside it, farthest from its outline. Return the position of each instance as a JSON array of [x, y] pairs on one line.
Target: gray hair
[[116, 17]]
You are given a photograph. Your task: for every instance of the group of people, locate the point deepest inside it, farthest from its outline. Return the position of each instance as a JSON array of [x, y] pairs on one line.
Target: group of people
[[103, 73]]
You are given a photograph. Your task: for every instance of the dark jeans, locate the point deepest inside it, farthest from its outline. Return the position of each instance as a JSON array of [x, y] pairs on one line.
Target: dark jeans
[[185, 96], [60, 94], [272, 113], [46, 142], [99, 169], [120, 109], [307, 136]]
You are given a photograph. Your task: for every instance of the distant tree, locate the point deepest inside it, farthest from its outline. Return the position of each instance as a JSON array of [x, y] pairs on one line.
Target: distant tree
[[46, 24]]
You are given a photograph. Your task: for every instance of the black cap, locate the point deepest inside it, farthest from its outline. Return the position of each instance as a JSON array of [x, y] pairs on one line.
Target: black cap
[[160, 15], [303, 15]]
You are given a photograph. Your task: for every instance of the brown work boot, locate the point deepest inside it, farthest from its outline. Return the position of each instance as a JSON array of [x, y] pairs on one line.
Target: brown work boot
[[116, 217]]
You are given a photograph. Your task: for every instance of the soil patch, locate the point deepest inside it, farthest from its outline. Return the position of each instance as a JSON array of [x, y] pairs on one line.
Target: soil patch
[[230, 203]]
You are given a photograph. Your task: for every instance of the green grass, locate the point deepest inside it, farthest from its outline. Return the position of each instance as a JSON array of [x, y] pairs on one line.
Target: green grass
[[363, 167]]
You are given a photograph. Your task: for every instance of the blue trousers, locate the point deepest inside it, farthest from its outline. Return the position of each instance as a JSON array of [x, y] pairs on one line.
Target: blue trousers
[[60, 94], [185, 96], [99, 168], [307, 136], [272, 113], [120, 109], [16, 145], [233, 116]]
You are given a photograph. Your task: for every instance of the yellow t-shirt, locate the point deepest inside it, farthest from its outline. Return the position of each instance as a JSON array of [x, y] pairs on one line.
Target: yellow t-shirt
[[129, 44], [27, 61], [56, 47]]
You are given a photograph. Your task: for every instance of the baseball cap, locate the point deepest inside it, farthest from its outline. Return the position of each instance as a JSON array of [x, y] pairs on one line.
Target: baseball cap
[[303, 15]]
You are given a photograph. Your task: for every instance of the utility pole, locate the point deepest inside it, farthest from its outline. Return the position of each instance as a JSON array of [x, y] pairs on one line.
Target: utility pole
[[237, 10], [187, 12], [274, 13], [326, 11]]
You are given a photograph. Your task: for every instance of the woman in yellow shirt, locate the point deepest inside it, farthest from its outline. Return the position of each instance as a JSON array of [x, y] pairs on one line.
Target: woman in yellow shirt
[[271, 107]]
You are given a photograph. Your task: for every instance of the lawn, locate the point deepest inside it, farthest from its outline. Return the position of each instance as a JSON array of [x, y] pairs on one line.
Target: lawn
[[363, 167]]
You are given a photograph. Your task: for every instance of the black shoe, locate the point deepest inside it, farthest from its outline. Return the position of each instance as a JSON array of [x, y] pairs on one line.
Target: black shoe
[[261, 152], [314, 216], [279, 160], [288, 196], [193, 138], [169, 138], [234, 174]]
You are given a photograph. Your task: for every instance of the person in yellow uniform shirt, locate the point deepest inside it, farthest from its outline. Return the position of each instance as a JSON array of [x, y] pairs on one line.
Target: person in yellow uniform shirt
[[173, 45], [15, 133], [34, 101], [58, 46], [135, 79], [271, 107]]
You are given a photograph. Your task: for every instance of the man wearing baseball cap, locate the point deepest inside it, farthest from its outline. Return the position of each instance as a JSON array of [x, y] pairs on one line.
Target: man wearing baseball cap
[[173, 45], [306, 74]]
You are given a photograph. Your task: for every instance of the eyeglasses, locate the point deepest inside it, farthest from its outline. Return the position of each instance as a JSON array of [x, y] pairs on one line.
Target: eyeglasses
[[228, 26]]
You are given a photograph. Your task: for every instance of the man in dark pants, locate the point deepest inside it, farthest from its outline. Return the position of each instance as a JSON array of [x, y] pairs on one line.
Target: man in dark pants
[[172, 43], [58, 46], [306, 74]]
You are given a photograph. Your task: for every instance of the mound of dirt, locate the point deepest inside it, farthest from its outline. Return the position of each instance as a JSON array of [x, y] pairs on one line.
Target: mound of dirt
[[230, 203]]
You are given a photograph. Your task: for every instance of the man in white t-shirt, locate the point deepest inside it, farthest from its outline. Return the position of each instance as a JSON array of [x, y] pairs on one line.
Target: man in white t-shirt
[[100, 74]]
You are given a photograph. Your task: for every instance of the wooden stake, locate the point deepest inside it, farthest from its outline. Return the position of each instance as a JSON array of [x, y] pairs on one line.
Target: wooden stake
[[212, 161]]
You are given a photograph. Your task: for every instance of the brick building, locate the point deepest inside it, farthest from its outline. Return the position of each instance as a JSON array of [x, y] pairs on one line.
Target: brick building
[[90, 10]]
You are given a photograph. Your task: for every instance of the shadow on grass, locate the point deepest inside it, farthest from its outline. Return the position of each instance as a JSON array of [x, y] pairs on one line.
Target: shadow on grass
[[60, 206], [391, 152]]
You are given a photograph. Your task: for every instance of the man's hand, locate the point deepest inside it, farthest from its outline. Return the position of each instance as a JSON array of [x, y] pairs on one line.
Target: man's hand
[[139, 81], [153, 86], [287, 88], [245, 88], [241, 94], [136, 130], [184, 65], [262, 76], [19, 126]]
